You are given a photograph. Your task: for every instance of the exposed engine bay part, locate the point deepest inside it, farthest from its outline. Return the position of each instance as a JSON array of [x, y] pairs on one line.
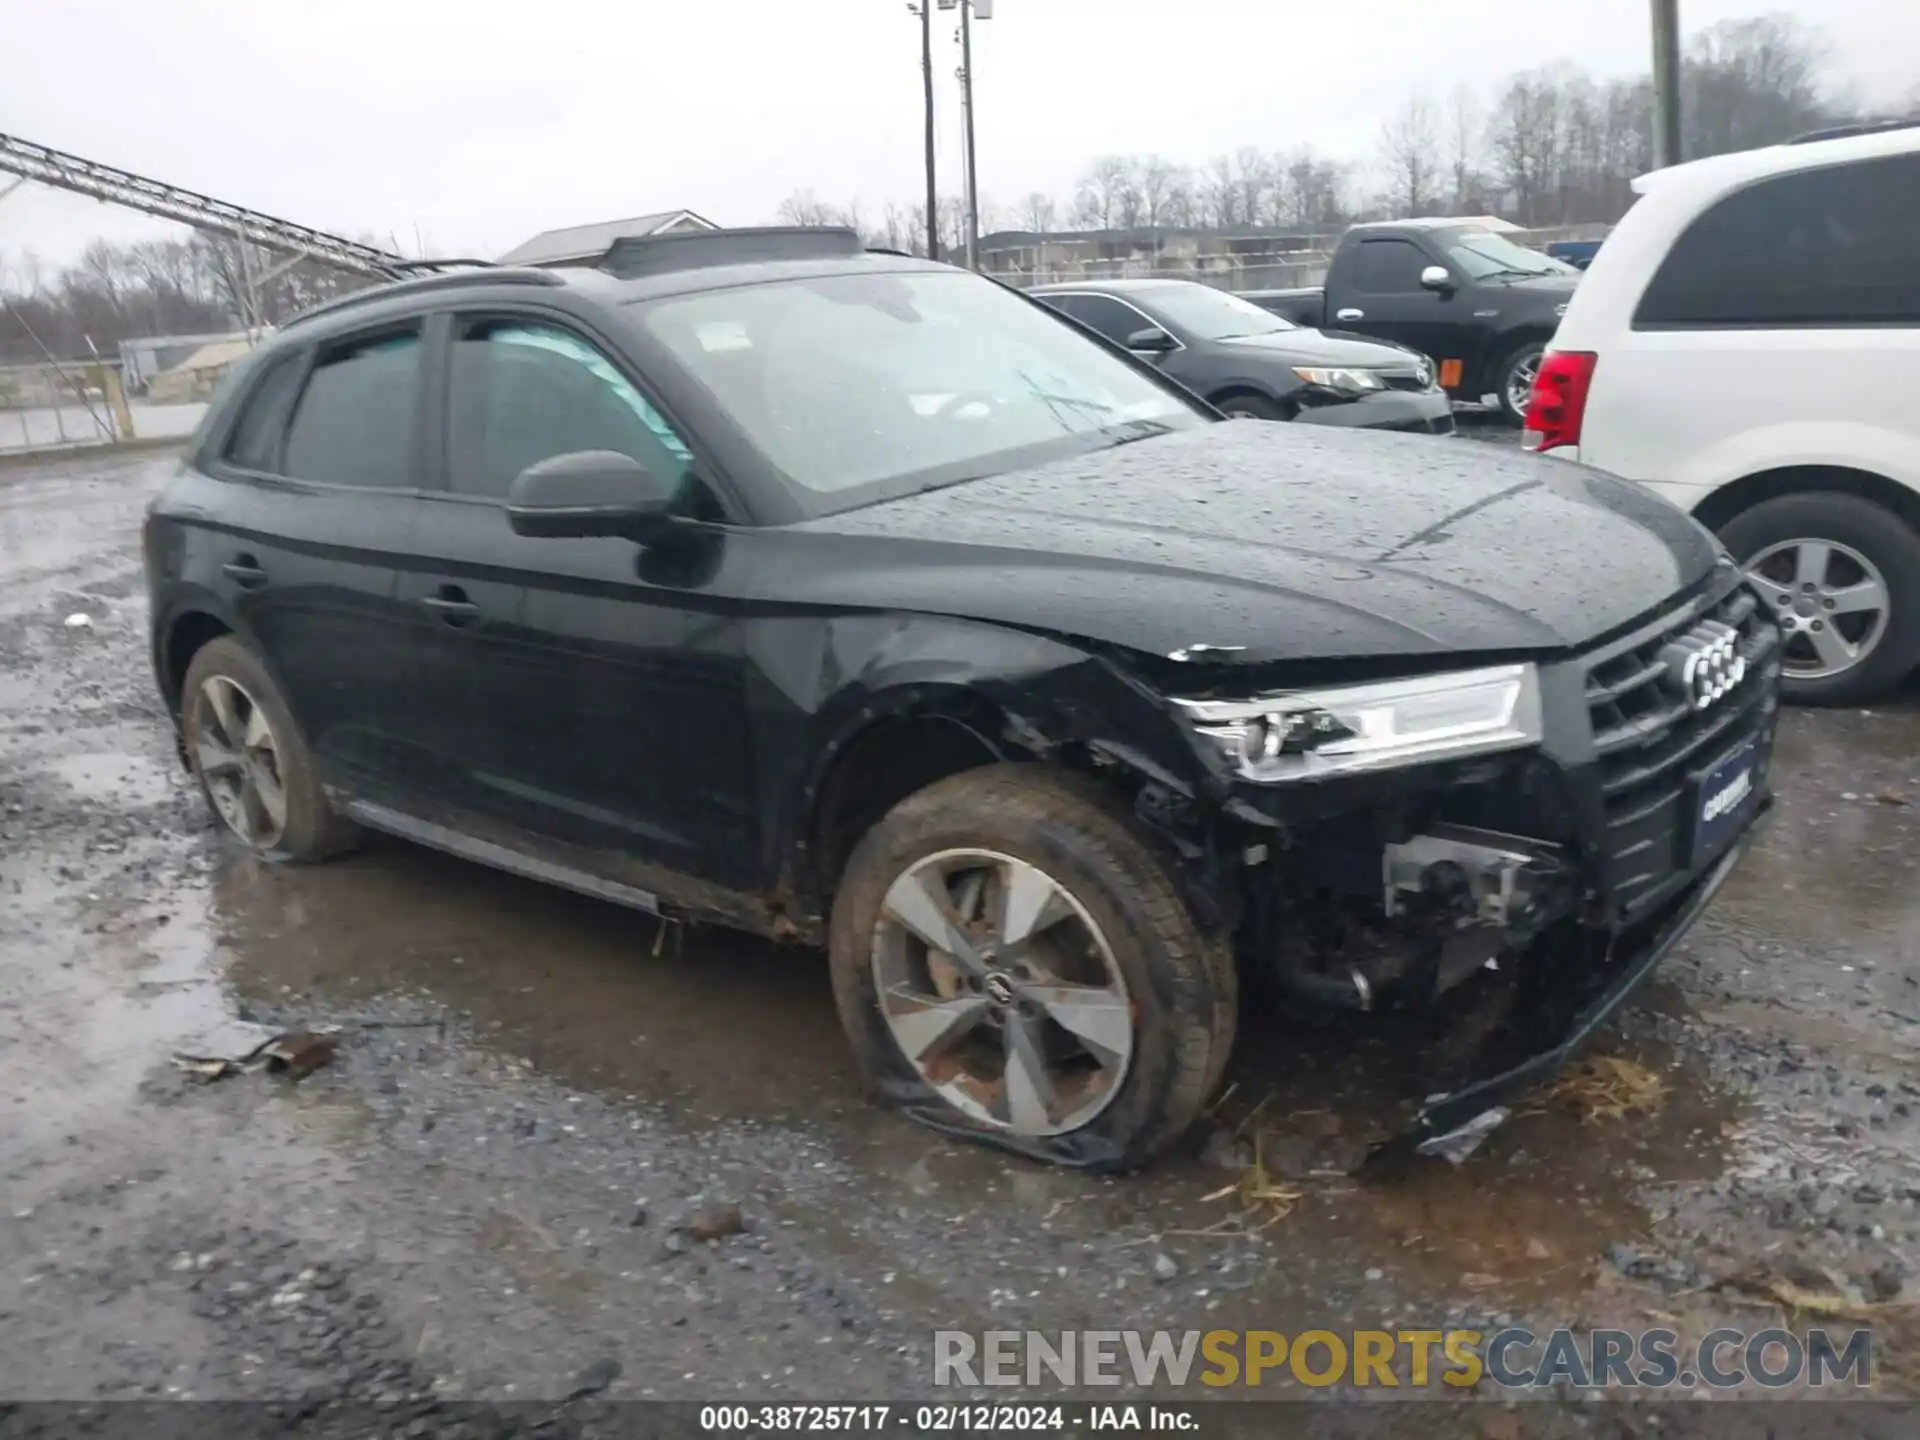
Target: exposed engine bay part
[[1483, 875]]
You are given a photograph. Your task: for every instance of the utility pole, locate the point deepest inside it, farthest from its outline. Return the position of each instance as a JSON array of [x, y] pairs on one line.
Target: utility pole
[[966, 110], [926, 81], [1666, 83]]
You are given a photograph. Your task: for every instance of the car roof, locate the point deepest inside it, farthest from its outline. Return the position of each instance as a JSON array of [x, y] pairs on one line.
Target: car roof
[[490, 285], [1807, 153], [1116, 286]]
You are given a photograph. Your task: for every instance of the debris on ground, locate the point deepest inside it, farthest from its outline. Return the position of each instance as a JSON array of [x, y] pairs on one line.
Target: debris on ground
[[1265, 1198], [714, 1222], [79, 620], [595, 1378], [1611, 1087], [293, 1053], [1164, 1267]]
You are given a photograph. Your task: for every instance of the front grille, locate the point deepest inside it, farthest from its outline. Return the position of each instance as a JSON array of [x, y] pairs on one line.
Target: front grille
[[1652, 744]]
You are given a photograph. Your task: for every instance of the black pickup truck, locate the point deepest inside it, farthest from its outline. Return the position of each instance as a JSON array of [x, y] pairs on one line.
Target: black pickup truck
[[1482, 307]]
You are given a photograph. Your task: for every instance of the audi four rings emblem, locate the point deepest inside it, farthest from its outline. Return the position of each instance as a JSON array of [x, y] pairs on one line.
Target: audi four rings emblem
[[1705, 663]]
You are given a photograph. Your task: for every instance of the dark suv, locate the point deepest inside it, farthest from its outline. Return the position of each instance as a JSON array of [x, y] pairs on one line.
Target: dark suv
[[859, 601]]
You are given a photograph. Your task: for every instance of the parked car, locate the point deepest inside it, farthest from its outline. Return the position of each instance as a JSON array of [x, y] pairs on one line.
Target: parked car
[[1748, 344], [1481, 305], [1246, 361], [860, 601], [1577, 253]]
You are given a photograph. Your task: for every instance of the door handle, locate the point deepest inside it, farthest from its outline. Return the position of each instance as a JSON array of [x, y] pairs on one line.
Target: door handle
[[450, 604], [1349, 314], [245, 572]]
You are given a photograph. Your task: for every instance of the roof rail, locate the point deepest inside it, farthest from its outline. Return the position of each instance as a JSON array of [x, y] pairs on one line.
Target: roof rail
[[636, 256], [448, 264], [426, 285], [1856, 127]]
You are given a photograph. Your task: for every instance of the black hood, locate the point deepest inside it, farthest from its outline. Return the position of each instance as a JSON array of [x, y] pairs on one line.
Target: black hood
[[1291, 542], [1315, 347], [1557, 287]]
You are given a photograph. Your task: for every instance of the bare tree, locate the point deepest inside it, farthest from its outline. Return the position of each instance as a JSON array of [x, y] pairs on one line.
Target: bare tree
[[1219, 194], [1037, 213], [1463, 127], [1752, 82], [1156, 179], [1104, 193], [1410, 148], [803, 208], [1253, 173]]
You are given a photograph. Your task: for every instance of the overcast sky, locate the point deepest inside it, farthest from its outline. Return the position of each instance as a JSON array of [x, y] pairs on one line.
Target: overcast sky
[[474, 123]]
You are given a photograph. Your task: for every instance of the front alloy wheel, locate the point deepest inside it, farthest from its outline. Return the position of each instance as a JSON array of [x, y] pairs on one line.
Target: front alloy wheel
[[1014, 963], [1002, 992]]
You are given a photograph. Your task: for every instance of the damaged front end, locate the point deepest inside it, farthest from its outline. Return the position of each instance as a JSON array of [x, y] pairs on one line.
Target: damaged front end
[[1493, 858]]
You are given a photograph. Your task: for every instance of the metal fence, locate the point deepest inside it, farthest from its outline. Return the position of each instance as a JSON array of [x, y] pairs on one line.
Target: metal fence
[[76, 404], [48, 406]]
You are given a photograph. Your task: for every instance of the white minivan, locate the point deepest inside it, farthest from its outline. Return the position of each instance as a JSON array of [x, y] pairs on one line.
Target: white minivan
[[1747, 343]]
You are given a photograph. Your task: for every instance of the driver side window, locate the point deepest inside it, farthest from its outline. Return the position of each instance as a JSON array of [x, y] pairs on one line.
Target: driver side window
[[521, 392], [1388, 267]]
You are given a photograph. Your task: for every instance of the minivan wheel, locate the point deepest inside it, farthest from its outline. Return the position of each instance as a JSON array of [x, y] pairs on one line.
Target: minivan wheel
[[1517, 374], [1014, 964], [1842, 576], [251, 761]]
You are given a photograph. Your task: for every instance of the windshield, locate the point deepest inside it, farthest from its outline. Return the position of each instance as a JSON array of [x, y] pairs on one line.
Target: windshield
[[1483, 255], [862, 387], [1204, 313]]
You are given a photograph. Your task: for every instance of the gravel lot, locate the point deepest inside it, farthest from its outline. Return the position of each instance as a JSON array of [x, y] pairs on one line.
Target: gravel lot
[[484, 1199]]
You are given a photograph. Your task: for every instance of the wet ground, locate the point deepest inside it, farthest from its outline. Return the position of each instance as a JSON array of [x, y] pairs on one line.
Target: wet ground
[[478, 1198]]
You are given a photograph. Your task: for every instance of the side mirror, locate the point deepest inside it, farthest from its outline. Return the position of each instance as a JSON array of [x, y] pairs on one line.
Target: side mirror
[[589, 492], [1152, 341], [1436, 277]]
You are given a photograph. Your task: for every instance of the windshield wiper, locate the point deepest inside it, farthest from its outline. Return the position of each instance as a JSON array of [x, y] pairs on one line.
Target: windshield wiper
[[1128, 431], [1523, 274]]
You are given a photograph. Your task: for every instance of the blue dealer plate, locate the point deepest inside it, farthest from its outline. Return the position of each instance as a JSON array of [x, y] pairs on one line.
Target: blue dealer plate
[[1723, 798]]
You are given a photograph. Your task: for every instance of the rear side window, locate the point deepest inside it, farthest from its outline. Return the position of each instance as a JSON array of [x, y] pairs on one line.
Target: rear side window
[[1388, 267], [523, 392], [1830, 247], [354, 422], [254, 443]]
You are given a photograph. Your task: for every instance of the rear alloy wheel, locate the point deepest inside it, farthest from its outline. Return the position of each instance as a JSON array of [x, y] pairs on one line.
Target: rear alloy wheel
[[1014, 964], [1517, 375], [251, 760], [238, 758], [1841, 576]]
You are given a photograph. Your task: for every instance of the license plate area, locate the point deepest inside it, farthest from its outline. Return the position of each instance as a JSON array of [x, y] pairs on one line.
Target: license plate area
[[1723, 797]]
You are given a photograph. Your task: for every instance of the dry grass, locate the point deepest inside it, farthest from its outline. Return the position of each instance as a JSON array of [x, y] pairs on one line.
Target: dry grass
[[1265, 1199], [1610, 1087]]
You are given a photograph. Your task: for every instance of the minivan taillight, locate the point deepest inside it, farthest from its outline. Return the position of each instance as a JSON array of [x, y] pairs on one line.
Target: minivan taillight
[[1559, 400]]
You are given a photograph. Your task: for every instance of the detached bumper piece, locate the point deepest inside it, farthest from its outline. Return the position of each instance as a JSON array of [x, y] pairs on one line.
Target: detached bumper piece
[[1453, 1124]]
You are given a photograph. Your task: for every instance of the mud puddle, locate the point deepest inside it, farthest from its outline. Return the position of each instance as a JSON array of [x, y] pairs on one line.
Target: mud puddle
[[708, 1028]]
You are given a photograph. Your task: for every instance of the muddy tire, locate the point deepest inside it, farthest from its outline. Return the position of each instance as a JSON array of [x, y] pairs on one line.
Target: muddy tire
[[1115, 949], [1859, 654], [251, 760]]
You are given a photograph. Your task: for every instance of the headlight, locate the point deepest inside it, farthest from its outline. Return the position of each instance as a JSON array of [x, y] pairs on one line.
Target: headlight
[[1339, 380], [1311, 734]]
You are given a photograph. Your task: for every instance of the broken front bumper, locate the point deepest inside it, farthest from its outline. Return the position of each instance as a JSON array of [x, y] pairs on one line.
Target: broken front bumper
[[1452, 1123]]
